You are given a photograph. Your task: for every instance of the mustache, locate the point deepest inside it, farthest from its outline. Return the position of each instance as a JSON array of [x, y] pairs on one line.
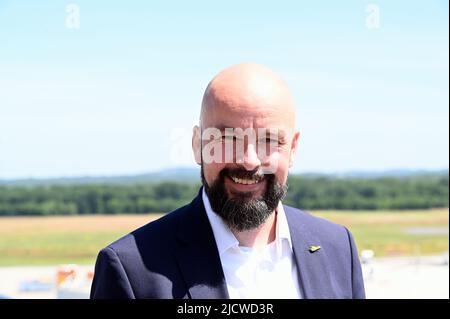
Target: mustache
[[241, 211], [244, 174]]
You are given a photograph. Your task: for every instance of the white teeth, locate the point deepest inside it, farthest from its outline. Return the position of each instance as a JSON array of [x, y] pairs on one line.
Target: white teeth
[[245, 181]]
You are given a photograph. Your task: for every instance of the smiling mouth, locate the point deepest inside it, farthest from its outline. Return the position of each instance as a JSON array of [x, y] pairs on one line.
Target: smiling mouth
[[247, 181]]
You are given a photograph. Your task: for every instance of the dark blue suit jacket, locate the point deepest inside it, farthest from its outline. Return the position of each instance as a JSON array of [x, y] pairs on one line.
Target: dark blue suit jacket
[[176, 257]]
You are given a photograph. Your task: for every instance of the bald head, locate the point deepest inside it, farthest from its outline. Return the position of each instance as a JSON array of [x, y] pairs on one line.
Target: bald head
[[251, 89], [246, 143], [247, 126]]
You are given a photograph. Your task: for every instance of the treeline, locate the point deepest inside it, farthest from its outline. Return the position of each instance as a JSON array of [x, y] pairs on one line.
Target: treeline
[[418, 192], [310, 193]]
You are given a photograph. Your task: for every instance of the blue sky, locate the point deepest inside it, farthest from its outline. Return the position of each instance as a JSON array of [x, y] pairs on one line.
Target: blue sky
[[120, 94]]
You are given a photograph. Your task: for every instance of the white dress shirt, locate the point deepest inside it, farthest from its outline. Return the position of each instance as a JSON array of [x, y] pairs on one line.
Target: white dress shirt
[[268, 273]]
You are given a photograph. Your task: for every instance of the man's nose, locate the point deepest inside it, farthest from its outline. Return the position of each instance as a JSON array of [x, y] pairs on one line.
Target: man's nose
[[250, 159]]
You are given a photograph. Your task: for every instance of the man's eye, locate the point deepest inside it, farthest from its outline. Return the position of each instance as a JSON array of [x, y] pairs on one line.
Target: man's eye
[[228, 137], [269, 141]]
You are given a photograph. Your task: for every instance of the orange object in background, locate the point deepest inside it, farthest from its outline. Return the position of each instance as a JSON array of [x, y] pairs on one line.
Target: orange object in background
[[73, 282], [90, 275], [66, 273]]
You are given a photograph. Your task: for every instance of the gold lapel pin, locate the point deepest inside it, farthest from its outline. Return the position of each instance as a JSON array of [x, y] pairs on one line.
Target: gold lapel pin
[[313, 249]]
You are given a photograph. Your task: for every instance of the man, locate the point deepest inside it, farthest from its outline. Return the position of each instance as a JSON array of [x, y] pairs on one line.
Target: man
[[236, 239]]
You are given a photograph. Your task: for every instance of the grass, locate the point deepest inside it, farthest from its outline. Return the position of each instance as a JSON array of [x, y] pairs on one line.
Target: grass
[[386, 233], [68, 239], [77, 239]]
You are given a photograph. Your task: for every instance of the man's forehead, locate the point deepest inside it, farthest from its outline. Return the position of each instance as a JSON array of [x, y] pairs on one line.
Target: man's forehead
[[225, 128], [275, 117], [248, 95]]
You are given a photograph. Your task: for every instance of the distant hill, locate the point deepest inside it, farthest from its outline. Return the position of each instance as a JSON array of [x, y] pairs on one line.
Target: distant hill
[[192, 175], [396, 173], [175, 174]]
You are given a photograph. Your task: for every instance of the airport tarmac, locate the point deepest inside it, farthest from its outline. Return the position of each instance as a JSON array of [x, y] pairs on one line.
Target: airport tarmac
[[385, 278]]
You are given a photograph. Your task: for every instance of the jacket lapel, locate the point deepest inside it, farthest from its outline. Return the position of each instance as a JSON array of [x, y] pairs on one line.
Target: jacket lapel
[[197, 254], [315, 278], [200, 265]]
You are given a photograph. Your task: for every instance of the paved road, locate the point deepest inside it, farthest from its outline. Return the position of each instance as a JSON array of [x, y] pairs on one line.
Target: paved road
[[404, 278], [407, 278]]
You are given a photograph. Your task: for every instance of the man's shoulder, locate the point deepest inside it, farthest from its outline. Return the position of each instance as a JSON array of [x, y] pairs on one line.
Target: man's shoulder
[[156, 234], [146, 255], [317, 225]]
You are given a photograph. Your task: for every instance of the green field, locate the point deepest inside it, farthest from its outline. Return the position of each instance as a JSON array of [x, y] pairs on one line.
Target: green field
[[77, 239]]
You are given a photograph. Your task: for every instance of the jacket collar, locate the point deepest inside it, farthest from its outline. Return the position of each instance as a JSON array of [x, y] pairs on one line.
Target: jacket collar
[[197, 254], [199, 260], [314, 274]]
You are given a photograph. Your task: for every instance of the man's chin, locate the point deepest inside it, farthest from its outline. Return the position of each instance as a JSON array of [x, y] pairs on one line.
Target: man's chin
[[242, 196]]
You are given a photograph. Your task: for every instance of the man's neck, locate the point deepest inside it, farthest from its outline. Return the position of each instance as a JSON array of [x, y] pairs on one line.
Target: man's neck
[[259, 237]]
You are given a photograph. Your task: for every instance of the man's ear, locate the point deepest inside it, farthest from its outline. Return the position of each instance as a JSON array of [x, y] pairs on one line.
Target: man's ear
[[197, 144], [294, 147]]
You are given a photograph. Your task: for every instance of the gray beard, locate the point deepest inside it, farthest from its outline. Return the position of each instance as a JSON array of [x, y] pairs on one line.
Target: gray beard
[[242, 212]]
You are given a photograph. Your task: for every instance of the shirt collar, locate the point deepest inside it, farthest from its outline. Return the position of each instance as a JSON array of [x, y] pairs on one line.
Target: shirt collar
[[282, 231], [225, 239], [282, 228]]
